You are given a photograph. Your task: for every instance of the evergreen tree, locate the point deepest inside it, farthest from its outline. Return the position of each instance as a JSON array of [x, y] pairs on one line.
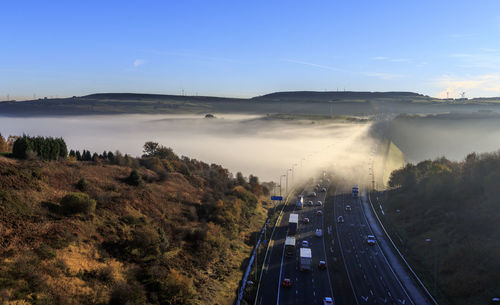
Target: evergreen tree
[[78, 155]]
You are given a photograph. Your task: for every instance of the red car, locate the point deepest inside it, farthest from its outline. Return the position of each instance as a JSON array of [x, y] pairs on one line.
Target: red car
[[287, 283]]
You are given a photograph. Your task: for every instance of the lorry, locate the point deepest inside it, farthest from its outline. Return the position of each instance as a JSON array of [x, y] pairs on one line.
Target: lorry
[[300, 202], [355, 191], [289, 246], [293, 223], [305, 260]]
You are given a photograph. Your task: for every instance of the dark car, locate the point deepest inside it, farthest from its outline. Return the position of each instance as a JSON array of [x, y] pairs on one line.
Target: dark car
[[287, 283], [322, 265]]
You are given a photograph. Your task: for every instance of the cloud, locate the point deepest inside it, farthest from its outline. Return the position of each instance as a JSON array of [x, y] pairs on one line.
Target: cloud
[[480, 84], [384, 76], [313, 65], [139, 62]]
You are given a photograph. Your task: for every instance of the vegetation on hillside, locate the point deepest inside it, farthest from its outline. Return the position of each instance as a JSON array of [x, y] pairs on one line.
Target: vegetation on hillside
[[445, 215], [160, 229], [44, 148]]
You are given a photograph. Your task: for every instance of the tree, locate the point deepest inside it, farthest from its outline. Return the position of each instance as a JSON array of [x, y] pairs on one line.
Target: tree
[[21, 146], [150, 148], [153, 149], [3, 144], [78, 155]]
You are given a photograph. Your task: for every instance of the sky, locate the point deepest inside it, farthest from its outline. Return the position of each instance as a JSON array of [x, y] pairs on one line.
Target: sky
[[248, 48]]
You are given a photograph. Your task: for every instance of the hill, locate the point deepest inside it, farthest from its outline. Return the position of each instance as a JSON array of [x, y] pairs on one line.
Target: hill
[[445, 215], [337, 95], [175, 231], [307, 102]]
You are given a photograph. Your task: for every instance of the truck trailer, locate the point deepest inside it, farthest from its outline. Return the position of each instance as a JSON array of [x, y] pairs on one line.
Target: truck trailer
[[355, 191], [293, 224], [289, 246], [305, 260]]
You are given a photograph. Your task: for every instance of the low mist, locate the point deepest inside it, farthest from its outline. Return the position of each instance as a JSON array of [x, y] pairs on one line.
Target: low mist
[[250, 144]]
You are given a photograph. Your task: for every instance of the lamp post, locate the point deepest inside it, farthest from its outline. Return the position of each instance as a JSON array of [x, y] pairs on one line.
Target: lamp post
[[280, 182]]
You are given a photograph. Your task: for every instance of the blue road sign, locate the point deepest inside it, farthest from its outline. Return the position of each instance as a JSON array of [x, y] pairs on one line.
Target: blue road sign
[[276, 197]]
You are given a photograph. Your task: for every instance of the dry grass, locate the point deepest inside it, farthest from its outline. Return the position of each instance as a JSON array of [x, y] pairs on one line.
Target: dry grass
[[68, 258]]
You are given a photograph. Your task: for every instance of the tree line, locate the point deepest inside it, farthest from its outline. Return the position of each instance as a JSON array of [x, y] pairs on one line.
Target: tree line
[[456, 205], [45, 148]]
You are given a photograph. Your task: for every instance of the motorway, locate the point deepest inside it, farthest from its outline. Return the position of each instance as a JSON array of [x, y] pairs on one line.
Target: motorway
[[372, 278], [364, 276], [308, 287]]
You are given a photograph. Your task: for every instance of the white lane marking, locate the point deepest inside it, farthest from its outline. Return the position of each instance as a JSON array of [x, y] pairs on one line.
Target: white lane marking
[[314, 293], [371, 292], [364, 298], [389, 293], [296, 292], [403, 301]]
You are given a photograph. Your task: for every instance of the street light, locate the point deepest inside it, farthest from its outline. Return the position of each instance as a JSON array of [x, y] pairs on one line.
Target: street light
[[280, 182]]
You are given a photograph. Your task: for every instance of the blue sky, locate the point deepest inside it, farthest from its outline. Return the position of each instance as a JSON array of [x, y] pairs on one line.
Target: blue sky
[[248, 48]]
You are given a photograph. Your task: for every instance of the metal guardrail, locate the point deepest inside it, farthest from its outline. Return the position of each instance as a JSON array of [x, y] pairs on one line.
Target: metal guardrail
[[268, 244], [401, 255], [250, 263], [254, 253]]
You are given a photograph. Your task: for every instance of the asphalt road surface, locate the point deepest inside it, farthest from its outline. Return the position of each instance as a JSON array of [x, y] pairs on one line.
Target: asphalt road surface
[[372, 278], [369, 276]]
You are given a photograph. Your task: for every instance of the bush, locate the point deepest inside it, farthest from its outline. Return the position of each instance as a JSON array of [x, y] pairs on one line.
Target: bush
[[127, 294], [74, 203], [134, 178], [82, 184]]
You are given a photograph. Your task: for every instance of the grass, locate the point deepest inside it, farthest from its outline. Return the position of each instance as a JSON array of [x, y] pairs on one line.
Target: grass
[[82, 258]]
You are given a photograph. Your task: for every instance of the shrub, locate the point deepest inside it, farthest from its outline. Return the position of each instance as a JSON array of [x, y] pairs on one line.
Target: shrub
[[134, 178], [127, 294], [74, 203], [82, 184], [45, 252]]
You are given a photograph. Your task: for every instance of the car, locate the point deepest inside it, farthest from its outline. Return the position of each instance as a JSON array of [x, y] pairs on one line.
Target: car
[[348, 208], [305, 244], [319, 213], [287, 283], [340, 219], [322, 265], [370, 239], [313, 194], [305, 220], [310, 203], [323, 189], [328, 301], [319, 232], [319, 203]]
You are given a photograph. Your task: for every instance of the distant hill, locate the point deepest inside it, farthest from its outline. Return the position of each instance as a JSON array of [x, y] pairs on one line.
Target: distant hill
[[294, 102], [146, 96], [337, 95]]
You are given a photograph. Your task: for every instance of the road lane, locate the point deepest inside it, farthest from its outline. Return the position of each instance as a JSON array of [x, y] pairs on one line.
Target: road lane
[[371, 276]]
